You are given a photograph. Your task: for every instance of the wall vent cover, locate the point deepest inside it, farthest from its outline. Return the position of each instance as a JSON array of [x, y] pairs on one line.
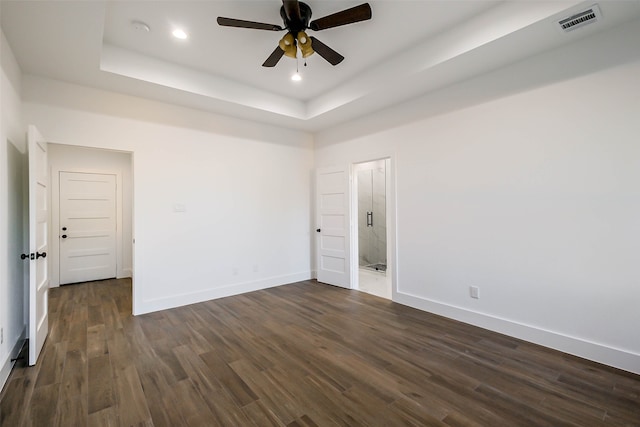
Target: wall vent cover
[[581, 19]]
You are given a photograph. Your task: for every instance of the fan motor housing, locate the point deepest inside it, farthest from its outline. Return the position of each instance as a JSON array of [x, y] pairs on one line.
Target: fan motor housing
[[294, 26]]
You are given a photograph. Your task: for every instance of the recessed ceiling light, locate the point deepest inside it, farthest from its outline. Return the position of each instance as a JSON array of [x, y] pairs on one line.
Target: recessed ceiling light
[[140, 26], [296, 77], [179, 34]]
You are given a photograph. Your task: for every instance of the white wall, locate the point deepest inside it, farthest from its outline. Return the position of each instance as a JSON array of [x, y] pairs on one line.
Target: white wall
[[12, 240], [535, 199], [66, 158], [244, 186]]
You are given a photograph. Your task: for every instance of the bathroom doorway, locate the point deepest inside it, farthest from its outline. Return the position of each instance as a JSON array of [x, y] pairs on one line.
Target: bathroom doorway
[[371, 184]]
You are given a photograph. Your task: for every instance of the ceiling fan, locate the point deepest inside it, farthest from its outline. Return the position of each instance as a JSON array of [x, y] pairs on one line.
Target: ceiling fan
[[296, 16]]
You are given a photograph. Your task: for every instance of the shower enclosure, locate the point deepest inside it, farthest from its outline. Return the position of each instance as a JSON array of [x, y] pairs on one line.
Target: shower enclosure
[[372, 220]]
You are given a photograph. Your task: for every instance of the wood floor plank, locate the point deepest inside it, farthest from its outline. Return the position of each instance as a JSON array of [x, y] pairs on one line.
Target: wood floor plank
[[94, 316], [261, 415], [163, 404], [42, 409], [303, 354], [52, 359], [130, 398], [77, 337], [101, 393], [456, 419], [107, 417], [414, 414], [96, 341], [279, 401], [303, 421], [72, 411], [119, 351], [110, 315], [193, 408], [15, 396], [325, 403], [238, 389], [74, 381], [313, 407], [203, 379], [166, 360], [224, 409], [517, 412]]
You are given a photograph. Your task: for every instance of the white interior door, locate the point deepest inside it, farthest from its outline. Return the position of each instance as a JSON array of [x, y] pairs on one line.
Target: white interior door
[[38, 232], [333, 219], [87, 227]]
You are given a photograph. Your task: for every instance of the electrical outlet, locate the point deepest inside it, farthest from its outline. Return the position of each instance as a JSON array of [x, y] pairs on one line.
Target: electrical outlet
[[474, 291]]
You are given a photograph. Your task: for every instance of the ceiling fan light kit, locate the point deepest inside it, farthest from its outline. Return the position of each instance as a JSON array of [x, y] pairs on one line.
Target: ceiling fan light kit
[[305, 45], [296, 16], [288, 45]]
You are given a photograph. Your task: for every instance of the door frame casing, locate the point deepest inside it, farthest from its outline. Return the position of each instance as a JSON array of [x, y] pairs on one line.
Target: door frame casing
[[354, 228], [55, 219], [391, 226], [392, 256]]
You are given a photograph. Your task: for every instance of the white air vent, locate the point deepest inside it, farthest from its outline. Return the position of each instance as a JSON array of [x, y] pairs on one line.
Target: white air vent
[[581, 19]]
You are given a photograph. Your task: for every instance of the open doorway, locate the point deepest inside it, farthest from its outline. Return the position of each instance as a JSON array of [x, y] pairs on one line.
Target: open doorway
[[369, 204], [91, 205]]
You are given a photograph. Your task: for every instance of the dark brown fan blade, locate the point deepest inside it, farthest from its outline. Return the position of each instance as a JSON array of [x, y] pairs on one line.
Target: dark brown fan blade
[[292, 9], [347, 16], [333, 57], [273, 59], [239, 23]]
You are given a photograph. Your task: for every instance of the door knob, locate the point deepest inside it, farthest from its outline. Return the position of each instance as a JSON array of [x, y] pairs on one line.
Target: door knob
[[26, 256], [64, 236], [318, 230], [41, 254]]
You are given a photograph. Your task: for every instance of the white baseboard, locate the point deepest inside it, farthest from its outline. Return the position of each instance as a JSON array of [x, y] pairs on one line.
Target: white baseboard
[[179, 300], [8, 364], [124, 273], [617, 358]]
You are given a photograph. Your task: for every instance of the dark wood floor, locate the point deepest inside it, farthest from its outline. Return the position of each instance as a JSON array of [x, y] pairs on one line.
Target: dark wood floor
[[304, 354]]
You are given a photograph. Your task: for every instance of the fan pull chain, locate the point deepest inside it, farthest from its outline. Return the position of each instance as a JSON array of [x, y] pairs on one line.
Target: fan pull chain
[[296, 77]]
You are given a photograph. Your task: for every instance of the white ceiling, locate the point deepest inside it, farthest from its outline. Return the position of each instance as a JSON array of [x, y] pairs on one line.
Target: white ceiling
[[408, 49]]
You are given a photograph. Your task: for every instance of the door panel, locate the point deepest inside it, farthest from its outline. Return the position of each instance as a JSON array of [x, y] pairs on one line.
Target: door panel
[[87, 227], [332, 241], [38, 232]]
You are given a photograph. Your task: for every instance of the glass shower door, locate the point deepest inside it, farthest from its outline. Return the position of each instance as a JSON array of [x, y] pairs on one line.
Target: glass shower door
[[372, 221]]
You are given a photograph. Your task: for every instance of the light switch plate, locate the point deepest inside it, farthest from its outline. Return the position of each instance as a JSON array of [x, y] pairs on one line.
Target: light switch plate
[[475, 292]]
